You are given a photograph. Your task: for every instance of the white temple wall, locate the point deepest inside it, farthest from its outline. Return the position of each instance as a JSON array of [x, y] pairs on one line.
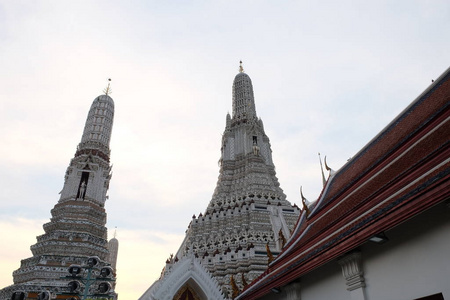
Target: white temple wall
[[324, 283], [414, 263]]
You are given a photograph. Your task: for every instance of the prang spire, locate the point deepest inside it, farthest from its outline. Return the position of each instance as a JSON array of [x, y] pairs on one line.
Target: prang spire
[[245, 144], [89, 173], [243, 99], [97, 130], [76, 230], [248, 214]]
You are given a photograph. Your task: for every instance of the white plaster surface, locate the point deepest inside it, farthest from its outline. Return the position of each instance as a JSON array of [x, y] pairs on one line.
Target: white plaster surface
[[414, 263]]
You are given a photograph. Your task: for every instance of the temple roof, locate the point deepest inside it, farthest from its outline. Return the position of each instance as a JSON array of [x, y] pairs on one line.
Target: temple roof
[[403, 171]]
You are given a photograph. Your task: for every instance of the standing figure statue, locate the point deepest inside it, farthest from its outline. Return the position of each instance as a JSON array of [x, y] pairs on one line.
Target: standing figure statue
[[82, 190]]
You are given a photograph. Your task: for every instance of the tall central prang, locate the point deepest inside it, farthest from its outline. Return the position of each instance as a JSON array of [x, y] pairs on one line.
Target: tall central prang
[[247, 170], [247, 221]]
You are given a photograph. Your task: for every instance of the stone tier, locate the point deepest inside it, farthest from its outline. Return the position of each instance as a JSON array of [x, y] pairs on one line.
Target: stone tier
[[94, 149], [72, 236], [69, 248], [247, 178], [233, 241], [79, 210], [49, 270], [260, 199], [77, 226]]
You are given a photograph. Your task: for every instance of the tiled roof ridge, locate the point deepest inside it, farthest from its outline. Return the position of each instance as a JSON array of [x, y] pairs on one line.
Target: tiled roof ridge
[[336, 188], [421, 126]]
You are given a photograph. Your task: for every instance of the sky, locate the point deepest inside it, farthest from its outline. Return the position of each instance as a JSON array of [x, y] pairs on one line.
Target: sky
[[327, 77]]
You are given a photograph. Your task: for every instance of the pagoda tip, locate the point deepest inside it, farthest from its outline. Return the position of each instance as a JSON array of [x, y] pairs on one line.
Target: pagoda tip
[[107, 91]]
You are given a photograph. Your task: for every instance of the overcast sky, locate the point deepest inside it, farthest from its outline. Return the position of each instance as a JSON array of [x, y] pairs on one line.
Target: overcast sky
[[327, 77]]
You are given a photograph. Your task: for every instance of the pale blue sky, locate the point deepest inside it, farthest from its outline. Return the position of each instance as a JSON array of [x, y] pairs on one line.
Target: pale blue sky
[[327, 77]]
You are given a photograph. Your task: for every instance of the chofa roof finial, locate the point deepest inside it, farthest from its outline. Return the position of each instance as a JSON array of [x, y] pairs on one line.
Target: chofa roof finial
[[324, 181], [305, 203]]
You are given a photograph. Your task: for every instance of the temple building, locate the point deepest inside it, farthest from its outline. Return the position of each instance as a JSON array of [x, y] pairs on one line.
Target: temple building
[[380, 228], [246, 223], [75, 239]]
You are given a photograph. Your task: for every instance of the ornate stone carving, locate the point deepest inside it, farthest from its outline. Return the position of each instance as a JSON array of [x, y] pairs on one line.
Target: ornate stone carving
[[248, 208], [293, 291], [352, 270], [77, 227]]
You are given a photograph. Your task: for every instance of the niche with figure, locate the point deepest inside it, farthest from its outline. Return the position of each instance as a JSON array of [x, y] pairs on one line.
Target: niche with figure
[[82, 187]]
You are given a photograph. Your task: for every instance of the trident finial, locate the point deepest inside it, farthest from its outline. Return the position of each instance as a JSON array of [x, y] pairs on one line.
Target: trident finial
[[108, 89], [241, 69]]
